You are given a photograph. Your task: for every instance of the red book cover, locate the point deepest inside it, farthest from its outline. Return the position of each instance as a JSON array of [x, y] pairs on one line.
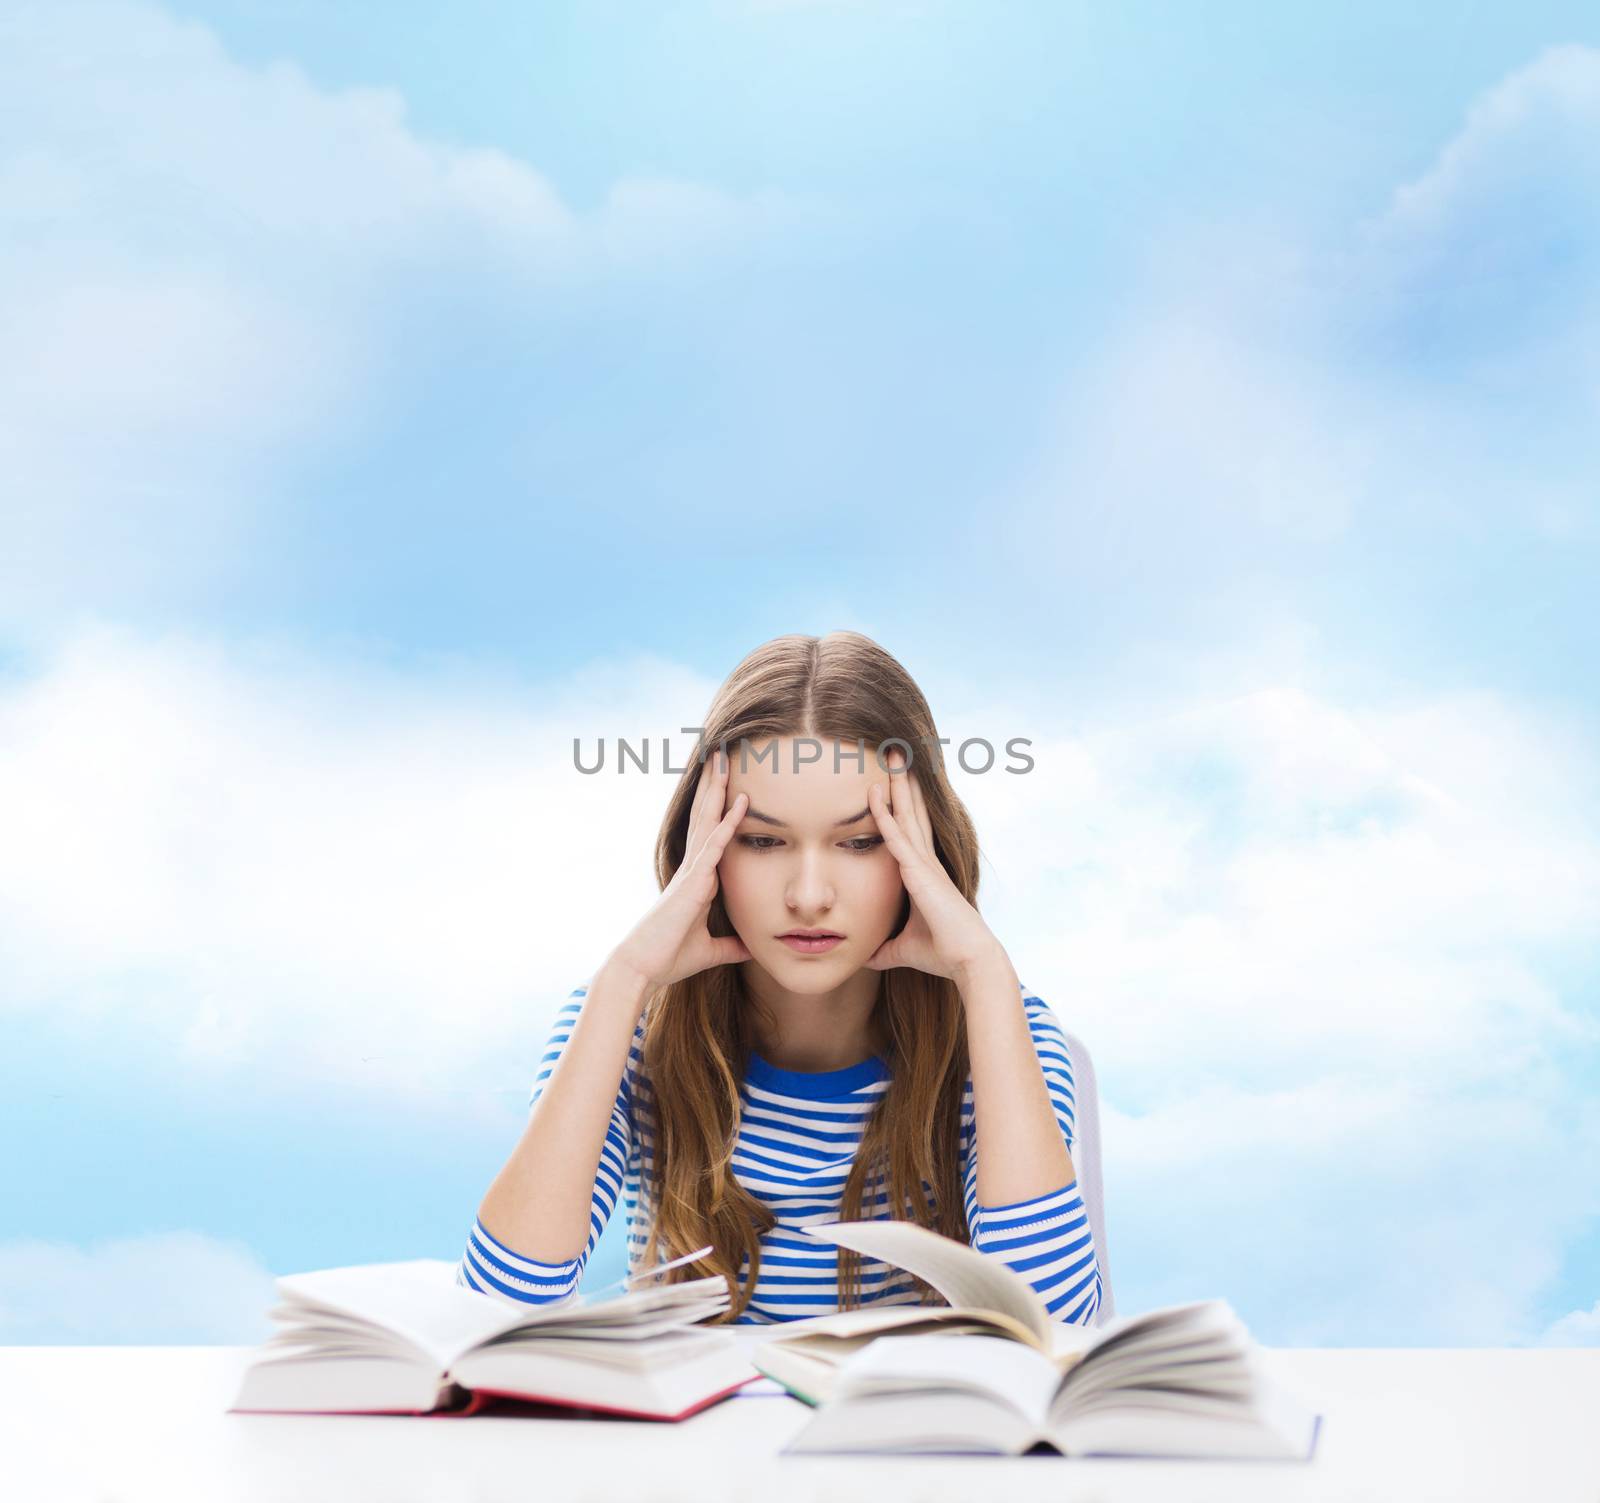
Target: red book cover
[[495, 1401]]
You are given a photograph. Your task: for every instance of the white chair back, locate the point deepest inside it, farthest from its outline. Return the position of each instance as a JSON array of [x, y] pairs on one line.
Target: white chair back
[[1086, 1160]]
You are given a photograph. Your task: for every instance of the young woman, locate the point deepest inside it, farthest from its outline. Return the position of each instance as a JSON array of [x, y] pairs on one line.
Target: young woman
[[735, 1082]]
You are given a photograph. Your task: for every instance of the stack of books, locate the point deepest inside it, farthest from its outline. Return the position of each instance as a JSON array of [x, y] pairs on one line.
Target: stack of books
[[991, 1371]]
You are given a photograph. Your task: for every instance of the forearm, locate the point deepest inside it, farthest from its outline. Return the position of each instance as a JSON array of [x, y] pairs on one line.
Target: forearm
[[1021, 1151], [540, 1203]]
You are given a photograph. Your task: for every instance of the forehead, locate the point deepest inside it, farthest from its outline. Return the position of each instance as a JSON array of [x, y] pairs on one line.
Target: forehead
[[780, 780]]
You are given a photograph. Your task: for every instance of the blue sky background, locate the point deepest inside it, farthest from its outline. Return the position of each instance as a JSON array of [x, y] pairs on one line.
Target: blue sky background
[[393, 393]]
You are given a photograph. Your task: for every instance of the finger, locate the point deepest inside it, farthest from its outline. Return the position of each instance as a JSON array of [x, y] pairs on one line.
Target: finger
[[889, 827], [721, 833], [730, 821], [701, 785], [900, 806], [919, 804], [708, 801], [907, 809], [899, 787]]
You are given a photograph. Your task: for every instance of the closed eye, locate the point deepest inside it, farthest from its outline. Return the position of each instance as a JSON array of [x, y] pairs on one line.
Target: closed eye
[[860, 845]]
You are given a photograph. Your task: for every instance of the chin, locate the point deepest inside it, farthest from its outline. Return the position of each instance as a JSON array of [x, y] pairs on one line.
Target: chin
[[796, 967]]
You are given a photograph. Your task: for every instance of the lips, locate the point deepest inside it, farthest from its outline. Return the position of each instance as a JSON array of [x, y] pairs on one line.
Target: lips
[[811, 941]]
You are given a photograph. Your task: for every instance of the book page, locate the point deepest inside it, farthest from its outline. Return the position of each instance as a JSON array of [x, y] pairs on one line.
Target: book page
[[1212, 1364], [420, 1302], [1170, 1325], [938, 1422], [1022, 1376], [822, 1332], [966, 1277], [807, 1362], [1273, 1424], [1141, 1338], [1070, 1344]]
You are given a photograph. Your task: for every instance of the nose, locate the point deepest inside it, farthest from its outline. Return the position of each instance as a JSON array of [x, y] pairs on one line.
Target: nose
[[810, 893]]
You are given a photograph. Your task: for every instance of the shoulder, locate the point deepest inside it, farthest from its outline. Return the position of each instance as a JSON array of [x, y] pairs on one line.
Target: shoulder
[[1049, 1033], [1050, 1039], [1054, 1048]]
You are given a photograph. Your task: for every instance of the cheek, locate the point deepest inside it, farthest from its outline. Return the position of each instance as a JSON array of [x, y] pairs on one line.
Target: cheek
[[732, 882], [745, 887], [881, 890]]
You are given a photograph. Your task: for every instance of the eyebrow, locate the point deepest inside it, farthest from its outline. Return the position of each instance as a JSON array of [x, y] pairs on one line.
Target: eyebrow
[[838, 824]]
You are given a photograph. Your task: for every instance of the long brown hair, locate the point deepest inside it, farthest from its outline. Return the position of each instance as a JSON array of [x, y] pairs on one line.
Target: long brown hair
[[839, 687]]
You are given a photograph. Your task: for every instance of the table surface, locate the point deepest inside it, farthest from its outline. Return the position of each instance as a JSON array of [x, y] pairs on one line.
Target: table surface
[[133, 1423]]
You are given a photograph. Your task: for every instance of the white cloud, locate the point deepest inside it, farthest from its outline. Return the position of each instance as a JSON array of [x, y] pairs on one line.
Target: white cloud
[[1184, 426], [256, 156], [1578, 1328], [1333, 951], [204, 264], [1532, 131], [177, 1288], [1488, 263], [1323, 956], [1334, 879], [303, 849], [1360, 1209], [323, 872], [1274, 401], [1322, 951]]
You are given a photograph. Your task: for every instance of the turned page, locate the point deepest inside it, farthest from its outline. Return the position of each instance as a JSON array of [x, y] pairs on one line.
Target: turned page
[[420, 1302], [969, 1279]]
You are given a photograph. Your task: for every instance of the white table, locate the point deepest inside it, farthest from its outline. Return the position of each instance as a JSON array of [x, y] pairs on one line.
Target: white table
[[135, 1423]]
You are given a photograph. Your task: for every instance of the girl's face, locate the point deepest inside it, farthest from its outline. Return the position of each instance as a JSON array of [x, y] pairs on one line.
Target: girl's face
[[808, 855]]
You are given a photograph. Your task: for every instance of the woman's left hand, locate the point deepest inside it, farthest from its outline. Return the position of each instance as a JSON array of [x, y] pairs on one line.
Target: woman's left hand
[[944, 934]]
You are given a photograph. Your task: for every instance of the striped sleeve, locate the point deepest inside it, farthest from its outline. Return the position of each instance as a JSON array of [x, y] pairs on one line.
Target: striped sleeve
[[1047, 1237], [492, 1268]]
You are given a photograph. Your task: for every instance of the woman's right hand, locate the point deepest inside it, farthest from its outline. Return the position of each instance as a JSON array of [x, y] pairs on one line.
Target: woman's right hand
[[673, 940]]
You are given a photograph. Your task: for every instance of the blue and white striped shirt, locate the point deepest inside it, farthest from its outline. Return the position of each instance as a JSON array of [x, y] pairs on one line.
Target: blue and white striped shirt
[[798, 1134]]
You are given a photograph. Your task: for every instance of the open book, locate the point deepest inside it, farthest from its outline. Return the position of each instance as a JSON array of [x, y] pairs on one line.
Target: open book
[[995, 1372], [405, 1338]]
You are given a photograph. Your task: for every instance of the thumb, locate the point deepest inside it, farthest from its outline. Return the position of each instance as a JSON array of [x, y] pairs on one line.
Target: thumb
[[729, 951], [883, 958]]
